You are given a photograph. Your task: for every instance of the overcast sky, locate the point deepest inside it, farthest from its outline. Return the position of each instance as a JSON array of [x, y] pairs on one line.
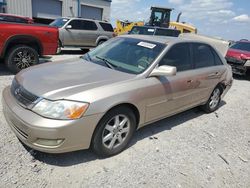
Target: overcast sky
[[228, 19]]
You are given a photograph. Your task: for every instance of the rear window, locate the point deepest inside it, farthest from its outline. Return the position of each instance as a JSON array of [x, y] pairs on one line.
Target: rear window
[[167, 32], [142, 31], [13, 19], [106, 27], [245, 46]]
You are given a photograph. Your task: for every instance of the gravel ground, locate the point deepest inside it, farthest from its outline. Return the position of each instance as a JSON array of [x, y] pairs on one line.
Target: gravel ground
[[192, 149]]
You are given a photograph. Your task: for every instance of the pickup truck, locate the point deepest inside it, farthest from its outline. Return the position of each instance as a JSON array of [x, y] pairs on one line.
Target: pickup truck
[[22, 44]]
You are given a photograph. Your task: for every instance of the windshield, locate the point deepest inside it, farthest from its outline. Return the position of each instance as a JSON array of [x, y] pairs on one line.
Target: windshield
[[125, 54], [60, 22], [142, 31], [245, 46]]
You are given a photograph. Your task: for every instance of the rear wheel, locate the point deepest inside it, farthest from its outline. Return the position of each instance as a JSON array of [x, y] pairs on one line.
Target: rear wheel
[[101, 42], [21, 57], [114, 132], [214, 101]]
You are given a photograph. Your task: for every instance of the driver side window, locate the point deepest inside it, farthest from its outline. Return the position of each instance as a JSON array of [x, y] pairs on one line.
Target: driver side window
[[179, 57]]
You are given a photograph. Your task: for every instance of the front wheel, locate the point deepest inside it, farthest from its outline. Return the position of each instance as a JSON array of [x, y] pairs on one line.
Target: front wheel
[[213, 101], [21, 57], [114, 132]]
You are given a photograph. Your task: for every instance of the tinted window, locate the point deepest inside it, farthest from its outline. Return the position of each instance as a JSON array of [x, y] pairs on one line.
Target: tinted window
[[20, 20], [76, 24], [167, 32], [241, 46], [88, 25], [83, 25], [203, 56], [217, 59], [179, 57], [106, 27], [142, 31]]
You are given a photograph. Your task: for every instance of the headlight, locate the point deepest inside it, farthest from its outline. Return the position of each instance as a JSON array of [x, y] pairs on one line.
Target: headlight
[[61, 109]]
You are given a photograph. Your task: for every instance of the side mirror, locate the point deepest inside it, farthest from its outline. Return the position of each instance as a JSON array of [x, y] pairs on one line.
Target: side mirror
[[164, 70], [68, 27]]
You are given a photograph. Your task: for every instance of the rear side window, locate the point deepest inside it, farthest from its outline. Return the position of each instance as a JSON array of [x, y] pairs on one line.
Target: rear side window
[[179, 57], [217, 59], [106, 27], [20, 20], [203, 55]]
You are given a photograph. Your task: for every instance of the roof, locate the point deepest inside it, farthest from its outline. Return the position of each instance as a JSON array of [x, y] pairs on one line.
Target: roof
[[153, 38], [220, 45]]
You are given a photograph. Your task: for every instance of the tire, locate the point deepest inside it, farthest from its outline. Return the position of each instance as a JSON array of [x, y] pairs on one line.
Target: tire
[[110, 138], [213, 101], [101, 42], [21, 57], [59, 48]]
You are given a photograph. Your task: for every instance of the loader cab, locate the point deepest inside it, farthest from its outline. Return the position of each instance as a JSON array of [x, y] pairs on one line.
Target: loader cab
[[160, 17]]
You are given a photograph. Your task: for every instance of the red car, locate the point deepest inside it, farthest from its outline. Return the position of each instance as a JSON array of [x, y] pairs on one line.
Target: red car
[[22, 44], [238, 56], [15, 18]]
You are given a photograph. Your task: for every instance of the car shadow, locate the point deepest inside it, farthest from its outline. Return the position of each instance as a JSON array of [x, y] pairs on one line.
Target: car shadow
[[83, 156], [73, 52], [239, 77]]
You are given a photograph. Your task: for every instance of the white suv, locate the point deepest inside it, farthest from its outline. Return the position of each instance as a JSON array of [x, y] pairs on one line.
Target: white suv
[[82, 33]]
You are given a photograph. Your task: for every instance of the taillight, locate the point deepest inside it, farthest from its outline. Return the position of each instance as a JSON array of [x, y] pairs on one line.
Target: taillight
[[114, 34]]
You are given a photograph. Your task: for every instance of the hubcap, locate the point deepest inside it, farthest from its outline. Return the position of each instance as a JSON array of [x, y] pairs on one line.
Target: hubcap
[[215, 99], [24, 59], [115, 131]]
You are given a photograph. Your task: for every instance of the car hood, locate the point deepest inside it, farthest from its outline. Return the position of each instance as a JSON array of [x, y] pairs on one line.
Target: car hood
[[60, 80], [238, 54]]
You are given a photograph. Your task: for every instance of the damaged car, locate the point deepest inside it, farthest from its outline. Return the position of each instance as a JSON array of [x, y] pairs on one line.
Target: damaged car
[[238, 56]]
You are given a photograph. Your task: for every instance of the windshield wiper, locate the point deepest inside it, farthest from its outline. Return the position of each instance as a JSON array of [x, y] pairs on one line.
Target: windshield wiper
[[107, 62]]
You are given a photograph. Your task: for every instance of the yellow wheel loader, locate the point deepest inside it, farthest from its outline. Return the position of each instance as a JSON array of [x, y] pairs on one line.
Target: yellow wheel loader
[[160, 17]]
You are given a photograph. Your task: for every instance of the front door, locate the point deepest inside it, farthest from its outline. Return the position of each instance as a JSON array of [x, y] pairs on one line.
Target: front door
[[174, 93]]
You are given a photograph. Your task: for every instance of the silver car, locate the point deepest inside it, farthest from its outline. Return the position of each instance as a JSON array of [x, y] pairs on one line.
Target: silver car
[[82, 33], [115, 89]]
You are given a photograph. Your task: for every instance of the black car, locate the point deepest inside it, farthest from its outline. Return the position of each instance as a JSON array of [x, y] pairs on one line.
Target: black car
[[149, 30]]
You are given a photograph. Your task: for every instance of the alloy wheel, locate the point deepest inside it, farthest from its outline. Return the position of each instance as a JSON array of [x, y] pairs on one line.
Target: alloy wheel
[[215, 98], [116, 131], [24, 59]]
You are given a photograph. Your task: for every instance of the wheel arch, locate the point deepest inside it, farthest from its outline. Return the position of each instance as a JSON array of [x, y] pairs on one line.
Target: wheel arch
[[27, 40], [125, 104], [101, 38]]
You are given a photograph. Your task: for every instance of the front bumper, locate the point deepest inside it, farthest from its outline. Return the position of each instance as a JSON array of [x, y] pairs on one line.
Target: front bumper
[[239, 67], [48, 135]]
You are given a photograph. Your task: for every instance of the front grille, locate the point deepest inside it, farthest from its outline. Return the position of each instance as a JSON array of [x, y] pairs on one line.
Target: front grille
[[23, 96]]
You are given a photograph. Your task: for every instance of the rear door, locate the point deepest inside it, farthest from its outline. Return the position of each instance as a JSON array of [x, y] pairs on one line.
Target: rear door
[[208, 69]]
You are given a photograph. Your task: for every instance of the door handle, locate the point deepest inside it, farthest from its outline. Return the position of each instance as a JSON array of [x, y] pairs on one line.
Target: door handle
[[190, 81], [213, 75]]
